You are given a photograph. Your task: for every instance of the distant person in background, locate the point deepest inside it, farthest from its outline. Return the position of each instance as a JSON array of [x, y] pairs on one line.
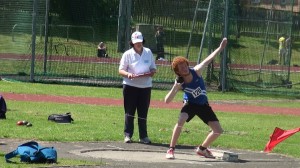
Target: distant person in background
[[137, 66], [160, 37], [102, 50], [282, 50]]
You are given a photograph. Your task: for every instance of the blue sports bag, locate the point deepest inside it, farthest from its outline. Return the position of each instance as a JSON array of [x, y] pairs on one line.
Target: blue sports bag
[[32, 152]]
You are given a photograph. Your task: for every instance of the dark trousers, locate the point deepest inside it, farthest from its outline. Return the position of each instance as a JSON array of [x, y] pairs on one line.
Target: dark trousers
[[160, 51], [101, 53], [136, 99]]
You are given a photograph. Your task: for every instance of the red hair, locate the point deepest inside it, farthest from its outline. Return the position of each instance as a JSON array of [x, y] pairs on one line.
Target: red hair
[[178, 60]]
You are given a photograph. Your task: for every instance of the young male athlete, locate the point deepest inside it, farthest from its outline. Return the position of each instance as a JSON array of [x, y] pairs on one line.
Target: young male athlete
[[195, 101]]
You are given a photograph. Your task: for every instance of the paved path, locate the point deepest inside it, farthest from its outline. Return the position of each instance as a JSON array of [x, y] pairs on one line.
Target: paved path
[[136, 155]]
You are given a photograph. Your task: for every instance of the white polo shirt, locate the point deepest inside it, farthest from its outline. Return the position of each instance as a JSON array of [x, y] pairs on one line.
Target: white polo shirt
[[132, 62]]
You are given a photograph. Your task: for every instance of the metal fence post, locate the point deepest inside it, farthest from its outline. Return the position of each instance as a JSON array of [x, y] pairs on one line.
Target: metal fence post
[[33, 37]]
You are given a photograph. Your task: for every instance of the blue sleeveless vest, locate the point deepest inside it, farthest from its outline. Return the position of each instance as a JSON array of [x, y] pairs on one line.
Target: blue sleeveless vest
[[195, 91]]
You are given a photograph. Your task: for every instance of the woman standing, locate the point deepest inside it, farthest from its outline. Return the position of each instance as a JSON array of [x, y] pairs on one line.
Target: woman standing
[[137, 66]]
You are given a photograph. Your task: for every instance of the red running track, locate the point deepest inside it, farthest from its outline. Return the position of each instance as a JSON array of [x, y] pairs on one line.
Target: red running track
[[222, 107]]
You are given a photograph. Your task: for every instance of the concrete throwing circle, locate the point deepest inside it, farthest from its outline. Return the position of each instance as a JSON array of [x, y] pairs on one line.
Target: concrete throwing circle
[[146, 156]]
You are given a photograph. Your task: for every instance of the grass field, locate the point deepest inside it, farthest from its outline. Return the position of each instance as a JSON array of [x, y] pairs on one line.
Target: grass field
[[105, 123], [247, 50], [92, 122]]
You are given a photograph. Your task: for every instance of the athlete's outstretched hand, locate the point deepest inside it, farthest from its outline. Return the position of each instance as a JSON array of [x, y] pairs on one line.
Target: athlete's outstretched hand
[[223, 43]]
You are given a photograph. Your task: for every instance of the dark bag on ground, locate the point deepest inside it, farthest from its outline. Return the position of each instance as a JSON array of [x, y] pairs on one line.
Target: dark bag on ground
[[61, 118], [32, 152], [2, 108]]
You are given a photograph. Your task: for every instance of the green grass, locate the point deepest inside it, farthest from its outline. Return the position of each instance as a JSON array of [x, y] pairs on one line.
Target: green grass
[[248, 49], [242, 131], [94, 122]]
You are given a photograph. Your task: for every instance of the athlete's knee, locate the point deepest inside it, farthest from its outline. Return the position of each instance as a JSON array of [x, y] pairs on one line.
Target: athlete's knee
[[218, 132], [216, 127], [180, 123], [182, 118]]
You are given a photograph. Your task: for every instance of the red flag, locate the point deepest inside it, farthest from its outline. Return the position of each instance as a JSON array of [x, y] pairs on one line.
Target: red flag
[[278, 136]]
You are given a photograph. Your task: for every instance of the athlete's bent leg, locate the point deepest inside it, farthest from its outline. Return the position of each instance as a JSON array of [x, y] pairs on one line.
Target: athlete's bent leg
[[214, 134], [177, 129]]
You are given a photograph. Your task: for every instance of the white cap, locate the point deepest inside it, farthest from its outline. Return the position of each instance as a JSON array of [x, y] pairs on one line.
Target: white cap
[[137, 37]]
